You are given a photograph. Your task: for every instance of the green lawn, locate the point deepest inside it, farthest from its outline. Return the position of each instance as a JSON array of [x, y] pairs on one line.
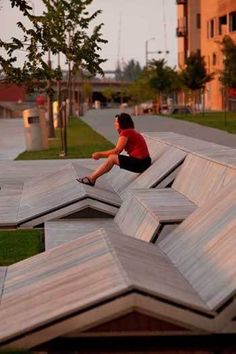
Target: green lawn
[[218, 120], [16, 245], [82, 142]]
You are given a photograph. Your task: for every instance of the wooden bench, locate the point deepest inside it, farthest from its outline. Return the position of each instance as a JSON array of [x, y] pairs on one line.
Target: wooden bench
[[203, 247]]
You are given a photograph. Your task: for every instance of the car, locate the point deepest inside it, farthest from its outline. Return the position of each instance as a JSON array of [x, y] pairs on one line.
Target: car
[[181, 110]]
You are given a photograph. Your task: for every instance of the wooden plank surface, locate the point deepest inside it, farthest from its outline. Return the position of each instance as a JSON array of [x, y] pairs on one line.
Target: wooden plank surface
[[3, 272], [81, 209], [160, 169], [59, 282], [142, 213], [214, 152], [10, 198], [148, 268], [84, 273], [62, 231], [203, 248], [12, 172], [120, 179], [199, 179], [54, 191]]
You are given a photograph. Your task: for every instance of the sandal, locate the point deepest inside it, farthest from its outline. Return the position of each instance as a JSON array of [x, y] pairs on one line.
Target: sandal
[[85, 180]]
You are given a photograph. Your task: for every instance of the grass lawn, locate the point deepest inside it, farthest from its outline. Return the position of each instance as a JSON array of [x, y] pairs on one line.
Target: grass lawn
[[16, 245], [82, 141], [213, 119]]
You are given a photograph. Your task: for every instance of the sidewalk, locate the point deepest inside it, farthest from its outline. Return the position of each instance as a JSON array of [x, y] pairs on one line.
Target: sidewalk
[[12, 140], [103, 121]]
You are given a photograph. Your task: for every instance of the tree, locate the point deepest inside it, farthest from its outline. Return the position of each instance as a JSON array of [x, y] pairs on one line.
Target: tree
[[194, 76], [61, 29], [109, 94], [228, 74], [139, 91], [131, 71], [22, 4], [162, 78]]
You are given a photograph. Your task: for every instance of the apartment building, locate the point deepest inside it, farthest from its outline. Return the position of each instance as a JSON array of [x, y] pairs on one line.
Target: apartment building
[[202, 26]]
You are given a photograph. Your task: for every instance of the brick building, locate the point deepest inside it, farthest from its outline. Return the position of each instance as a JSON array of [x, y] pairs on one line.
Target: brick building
[[201, 26]]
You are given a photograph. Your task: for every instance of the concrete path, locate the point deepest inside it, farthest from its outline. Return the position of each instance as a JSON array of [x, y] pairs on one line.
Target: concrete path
[[103, 122], [12, 140]]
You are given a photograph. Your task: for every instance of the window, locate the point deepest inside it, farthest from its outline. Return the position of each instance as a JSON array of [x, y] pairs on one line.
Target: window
[[211, 29], [232, 21], [222, 23], [214, 59], [198, 21]]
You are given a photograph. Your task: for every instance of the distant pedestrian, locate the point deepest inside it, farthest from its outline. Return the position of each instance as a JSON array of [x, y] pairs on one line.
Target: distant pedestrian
[[130, 140]]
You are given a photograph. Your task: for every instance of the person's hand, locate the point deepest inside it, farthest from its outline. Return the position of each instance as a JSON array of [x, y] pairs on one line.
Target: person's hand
[[96, 156]]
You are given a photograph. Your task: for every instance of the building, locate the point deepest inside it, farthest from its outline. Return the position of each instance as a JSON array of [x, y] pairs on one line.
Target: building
[[202, 26], [12, 93]]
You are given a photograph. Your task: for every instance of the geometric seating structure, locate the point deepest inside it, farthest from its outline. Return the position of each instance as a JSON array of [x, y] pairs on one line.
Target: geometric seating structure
[[51, 195], [57, 194], [162, 166], [203, 248], [141, 216], [74, 297], [108, 270]]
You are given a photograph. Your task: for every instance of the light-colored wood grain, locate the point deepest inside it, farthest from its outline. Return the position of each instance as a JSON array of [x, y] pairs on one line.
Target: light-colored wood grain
[[144, 210], [211, 151], [3, 272], [161, 168], [10, 198], [200, 179], [121, 179], [82, 273], [57, 190], [62, 231], [203, 248], [81, 209]]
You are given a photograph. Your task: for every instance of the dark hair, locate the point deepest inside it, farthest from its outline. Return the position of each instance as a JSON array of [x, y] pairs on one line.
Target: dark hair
[[125, 121]]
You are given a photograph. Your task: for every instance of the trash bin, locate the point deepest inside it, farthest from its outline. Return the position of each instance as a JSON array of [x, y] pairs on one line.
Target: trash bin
[[35, 128]]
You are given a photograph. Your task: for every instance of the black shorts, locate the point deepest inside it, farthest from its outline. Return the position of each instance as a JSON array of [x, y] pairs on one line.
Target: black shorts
[[133, 164]]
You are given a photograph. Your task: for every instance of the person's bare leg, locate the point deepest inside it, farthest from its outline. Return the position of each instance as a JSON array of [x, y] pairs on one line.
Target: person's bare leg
[[104, 168]]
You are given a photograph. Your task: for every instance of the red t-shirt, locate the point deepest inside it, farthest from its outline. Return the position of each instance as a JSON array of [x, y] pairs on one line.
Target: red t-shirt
[[136, 145]]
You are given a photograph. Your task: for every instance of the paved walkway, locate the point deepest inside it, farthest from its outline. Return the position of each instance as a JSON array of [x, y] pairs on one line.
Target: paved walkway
[[12, 140], [103, 122]]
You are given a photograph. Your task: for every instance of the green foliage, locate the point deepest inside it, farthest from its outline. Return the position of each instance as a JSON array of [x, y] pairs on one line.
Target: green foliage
[[82, 142], [219, 120], [228, 75], [19, 244], [131, 71], [109, 93], [194, 76], [62, 28], [140, 91], [163, 79], [22, 4]]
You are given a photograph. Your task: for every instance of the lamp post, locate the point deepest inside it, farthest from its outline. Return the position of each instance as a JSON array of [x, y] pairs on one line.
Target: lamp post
[[146, 49], [156, 52]]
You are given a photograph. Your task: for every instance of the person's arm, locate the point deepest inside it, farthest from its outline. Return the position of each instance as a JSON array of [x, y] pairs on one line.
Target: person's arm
[[120, 145]]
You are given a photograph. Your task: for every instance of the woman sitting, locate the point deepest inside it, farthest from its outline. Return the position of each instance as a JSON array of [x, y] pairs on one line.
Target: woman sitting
[[129, 140]]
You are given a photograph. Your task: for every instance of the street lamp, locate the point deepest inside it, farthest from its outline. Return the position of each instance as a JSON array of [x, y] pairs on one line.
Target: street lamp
[[146, 48]]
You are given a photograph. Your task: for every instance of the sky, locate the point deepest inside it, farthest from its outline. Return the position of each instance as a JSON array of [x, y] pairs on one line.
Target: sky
[[128, 26]]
